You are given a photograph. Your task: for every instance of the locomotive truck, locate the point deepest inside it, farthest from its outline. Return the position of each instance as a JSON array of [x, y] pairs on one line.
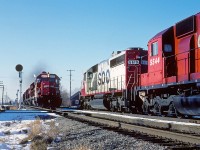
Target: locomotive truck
[[44, 91], [163, 80]]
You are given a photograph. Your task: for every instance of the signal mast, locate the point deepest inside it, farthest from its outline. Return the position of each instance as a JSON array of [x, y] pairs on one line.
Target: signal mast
[[19, 68]]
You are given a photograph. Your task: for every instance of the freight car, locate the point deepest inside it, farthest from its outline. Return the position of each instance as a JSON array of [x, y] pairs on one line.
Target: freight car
[[165, 80], [44, 91]]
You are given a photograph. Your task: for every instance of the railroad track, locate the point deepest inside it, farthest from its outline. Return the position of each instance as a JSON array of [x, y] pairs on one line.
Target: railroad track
[[191, 120], [172, 140]]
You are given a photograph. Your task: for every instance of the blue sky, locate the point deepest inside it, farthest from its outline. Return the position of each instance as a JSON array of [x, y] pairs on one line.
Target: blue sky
[[58, 35]]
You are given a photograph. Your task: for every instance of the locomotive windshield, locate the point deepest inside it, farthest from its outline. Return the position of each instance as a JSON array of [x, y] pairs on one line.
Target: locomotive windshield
[[50, 78]]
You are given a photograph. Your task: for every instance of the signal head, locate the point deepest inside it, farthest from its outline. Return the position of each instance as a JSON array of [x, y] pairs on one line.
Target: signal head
[[19, 67]]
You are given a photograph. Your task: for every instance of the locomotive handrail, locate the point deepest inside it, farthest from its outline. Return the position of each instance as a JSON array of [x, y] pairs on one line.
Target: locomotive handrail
[[181, 52], [183, 59], [165, 57], [129, 80]]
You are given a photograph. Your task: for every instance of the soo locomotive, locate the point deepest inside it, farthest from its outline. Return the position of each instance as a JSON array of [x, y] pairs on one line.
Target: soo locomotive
[[163, 80], [44, 91]]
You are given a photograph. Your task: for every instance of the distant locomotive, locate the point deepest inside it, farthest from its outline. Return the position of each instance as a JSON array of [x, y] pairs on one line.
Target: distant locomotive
[[44, 91], [165, 80]]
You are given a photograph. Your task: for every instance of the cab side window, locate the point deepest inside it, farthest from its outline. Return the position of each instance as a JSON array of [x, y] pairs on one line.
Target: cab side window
[[154, 49]]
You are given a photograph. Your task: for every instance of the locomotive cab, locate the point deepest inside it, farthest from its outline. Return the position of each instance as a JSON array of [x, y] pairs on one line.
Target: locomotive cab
[[161, 59]]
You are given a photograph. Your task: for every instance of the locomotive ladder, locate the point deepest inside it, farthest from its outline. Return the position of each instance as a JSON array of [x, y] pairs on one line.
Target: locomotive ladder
[[135, 76]]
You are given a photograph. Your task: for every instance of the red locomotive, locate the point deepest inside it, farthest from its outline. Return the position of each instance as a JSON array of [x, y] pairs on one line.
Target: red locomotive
[[165, 80], [44, 91]]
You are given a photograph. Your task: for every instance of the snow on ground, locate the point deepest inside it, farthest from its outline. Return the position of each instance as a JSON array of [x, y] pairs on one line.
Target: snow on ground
[[14, 126]]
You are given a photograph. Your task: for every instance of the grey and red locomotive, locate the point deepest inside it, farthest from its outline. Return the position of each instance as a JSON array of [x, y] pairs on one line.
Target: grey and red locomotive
[[44, 91], [163, 80]]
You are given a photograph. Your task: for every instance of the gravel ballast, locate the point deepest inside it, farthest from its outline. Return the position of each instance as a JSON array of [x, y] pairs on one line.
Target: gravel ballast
[[75, 135]]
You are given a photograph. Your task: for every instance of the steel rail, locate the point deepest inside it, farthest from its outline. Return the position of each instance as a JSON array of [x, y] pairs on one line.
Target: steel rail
[[150, 131]]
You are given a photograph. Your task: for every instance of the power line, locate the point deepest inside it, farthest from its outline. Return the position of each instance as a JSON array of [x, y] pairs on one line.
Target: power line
[[70, 75]]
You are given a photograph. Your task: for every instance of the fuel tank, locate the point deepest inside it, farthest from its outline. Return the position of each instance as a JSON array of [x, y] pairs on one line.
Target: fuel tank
[[189, 105], [97, 104]]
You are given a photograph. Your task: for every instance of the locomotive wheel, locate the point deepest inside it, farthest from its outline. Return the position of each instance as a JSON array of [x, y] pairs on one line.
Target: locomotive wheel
[[48, 103], [88, 107], [157, 109], [107, 103], [145, 109], [84, 106], [173, 112], [112, 108]]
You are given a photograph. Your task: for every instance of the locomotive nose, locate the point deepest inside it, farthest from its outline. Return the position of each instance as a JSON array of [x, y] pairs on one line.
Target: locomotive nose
[[188, 105]]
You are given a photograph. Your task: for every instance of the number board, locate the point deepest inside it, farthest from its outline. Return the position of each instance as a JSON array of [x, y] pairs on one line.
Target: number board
[[154, 61], [133, 62]]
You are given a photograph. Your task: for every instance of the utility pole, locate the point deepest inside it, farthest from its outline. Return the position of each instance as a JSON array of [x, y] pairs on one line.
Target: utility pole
[[70, 75], [6, 98], [2, 95], [1, 85]]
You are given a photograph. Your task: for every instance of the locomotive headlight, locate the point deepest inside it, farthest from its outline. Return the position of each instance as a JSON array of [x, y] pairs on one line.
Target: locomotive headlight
[[46, 86]]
